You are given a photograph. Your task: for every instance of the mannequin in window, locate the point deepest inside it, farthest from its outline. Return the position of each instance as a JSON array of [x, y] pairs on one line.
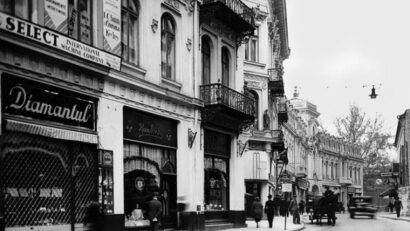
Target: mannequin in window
[[266, 120]]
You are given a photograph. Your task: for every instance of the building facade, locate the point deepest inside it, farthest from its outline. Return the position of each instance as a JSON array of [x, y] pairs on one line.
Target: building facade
[[264, 53], [110, 101], [341, 167], [401, 143], [329, 161]]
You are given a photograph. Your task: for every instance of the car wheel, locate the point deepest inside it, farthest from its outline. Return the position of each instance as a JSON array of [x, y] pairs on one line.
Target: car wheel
[[372, 216], [352, 215]]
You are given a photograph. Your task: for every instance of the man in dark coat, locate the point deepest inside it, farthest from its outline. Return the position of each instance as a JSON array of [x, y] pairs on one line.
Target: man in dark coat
[[398, 206], [154, 210], [270, 210]]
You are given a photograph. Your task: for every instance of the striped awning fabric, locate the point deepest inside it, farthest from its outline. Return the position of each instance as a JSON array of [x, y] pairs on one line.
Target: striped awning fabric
[[57, 133]]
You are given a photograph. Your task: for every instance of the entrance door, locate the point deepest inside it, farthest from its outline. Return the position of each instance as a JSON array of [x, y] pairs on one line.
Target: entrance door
[[169, 205]]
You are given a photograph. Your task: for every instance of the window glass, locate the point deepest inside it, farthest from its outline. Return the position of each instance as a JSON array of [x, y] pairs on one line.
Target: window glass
[[167, 47], [21, 9], [79, 20], [206, 61], [225, 66], [216, 184], [130, 49]]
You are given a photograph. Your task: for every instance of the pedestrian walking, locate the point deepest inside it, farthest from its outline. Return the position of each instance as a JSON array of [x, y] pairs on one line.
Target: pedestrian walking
[[154, 210], [93, 217], [276, 203], [270, 210], [301, 207], [282, 207], [398, 206], [294, 208], [257, 211]]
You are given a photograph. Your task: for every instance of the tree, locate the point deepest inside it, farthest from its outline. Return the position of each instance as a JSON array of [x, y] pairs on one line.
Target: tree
[[368, 133]]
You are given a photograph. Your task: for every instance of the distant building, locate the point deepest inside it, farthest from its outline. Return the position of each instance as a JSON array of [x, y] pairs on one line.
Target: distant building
[[401, 142]]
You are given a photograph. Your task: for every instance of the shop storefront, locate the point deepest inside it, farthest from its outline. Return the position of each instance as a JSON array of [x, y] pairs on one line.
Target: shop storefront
[[49, 158], [150, 145], [216, 166]]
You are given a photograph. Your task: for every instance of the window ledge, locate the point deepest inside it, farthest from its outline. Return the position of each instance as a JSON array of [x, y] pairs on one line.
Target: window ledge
[[170, 83], [254, 63], [127, 68]]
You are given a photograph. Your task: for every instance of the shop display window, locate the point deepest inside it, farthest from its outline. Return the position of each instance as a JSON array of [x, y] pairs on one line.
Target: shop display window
[[216, 183], [105, 182], [148, 169]]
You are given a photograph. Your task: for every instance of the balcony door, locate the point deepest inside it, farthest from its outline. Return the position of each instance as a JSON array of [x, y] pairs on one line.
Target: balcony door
[[225, 66]]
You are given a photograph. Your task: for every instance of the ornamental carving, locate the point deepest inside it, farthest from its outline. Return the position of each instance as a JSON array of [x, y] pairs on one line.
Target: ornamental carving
[[172, 3]]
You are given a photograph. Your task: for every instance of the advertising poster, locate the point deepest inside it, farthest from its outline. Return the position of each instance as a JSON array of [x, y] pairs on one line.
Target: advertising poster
[[56, 14], [112, 26]]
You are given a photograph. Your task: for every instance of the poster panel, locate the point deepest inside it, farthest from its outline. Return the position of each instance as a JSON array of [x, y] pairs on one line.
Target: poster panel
[[56, 14], [112, 26]]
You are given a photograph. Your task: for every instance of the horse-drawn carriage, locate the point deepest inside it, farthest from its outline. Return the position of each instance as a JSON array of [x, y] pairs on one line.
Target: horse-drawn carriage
[[322, 207]]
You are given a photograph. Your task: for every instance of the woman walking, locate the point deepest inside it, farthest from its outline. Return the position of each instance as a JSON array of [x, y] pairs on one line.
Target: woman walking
[[257, 210]]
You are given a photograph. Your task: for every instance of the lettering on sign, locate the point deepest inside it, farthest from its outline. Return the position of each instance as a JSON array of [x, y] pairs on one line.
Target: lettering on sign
[[39, 101], [112, 26], [50, 38]]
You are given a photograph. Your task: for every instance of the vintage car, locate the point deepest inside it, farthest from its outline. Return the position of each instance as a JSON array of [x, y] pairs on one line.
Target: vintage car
[[361, 206]]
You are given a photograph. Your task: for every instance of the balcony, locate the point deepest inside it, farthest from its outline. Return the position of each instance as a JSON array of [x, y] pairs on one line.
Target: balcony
[[301, 171], [345, 181], [275, 84], [282, 113], [233, 13], [226, 107]]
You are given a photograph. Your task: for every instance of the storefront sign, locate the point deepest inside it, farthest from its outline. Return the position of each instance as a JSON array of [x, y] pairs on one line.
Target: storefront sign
[[30, 99], [140, 126], [217, 143], [50, 38], [55, 15], [112, 26], [286, 187], [351, 190]]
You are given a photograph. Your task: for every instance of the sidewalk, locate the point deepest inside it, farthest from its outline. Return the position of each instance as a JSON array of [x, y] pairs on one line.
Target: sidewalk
[[393, 216], [278, 224]]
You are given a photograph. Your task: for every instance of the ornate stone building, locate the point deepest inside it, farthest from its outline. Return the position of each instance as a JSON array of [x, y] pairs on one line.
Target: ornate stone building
[[340, 167], [264, 53]]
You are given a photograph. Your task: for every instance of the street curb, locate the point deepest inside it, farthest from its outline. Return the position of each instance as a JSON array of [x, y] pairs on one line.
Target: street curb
[[393, 218]]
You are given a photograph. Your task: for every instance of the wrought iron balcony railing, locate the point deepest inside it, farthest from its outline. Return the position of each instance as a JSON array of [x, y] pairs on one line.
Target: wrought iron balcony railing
[[238, 7], [218, 94]]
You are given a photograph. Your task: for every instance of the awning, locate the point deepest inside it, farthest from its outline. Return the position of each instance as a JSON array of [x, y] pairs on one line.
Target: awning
[[57, 133], [260, 181]]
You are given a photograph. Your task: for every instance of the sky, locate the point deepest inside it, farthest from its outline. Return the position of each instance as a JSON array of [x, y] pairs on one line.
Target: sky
[[338, 46]]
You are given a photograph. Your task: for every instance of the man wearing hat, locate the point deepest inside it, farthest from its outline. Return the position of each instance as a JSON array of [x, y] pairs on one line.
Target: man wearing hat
[[154, 210]]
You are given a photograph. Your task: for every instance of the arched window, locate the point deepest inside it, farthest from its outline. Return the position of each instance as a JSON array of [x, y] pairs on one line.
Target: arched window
[[129, 14], [225, 66], [167, 47], [206, 61]]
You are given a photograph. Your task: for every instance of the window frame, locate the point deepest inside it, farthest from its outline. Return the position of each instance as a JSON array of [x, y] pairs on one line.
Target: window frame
[[249, 49], [225, 66], [165, 35], [128, 13], [206, 79]]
